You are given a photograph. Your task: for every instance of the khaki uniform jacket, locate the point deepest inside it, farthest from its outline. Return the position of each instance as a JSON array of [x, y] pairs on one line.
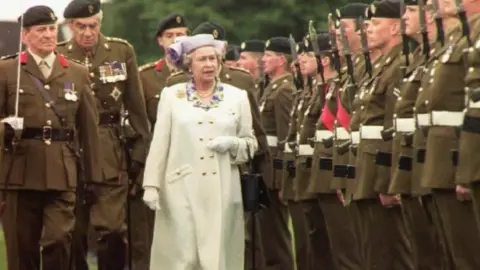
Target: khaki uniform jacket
[[442, 92], [469, 160], [377, 110], [115, 91], [404, 122], [34, 164], [324, 116], [153, 77], [241, 79]]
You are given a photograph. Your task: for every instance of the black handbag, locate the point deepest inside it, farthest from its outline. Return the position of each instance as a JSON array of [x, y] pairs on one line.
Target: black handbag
[[254, 190]]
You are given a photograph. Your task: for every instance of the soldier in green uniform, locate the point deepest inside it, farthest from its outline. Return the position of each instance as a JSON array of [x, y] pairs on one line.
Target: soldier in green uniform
[[232, 55], [275, 107], [319, 125], [383, 245], [251, 53], [153, 77], [468, 158], [239, 78], [57, 117], [442, 104], [423, 237], [273, 220], [115, 82]]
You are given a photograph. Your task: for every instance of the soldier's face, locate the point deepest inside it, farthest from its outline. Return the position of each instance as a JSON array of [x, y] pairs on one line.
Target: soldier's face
[[86, 31], [272, 61], [447, 8], [168, 36], [248, 62], [380, 32], [204, 63], [41, 39], [411, 19], [308, 64]]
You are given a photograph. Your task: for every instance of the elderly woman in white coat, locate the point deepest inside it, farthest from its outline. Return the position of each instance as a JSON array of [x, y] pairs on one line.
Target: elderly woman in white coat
[[191, 179]]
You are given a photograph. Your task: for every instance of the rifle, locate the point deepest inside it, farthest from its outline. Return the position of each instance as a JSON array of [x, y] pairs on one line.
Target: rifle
[[351, 87], [364, 43], [423, 29], [333, 43], [262, 78], [299, 83], [314, 40], [438, 22], [405, 47], [462, 15]]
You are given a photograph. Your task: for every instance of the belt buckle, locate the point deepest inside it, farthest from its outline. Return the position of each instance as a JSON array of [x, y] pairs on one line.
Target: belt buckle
[[47, 134]]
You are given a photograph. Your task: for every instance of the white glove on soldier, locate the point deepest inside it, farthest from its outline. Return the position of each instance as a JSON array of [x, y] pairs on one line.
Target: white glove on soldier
[[151, 197], [222, 144], [15, 122]]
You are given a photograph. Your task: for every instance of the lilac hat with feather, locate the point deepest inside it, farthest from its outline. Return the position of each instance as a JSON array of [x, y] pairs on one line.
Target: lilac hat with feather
[[185, 45]]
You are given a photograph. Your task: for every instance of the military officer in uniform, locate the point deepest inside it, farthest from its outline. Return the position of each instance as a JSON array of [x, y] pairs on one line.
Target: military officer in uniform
[[422, 234], [275, 106], [115, 82], [383, 245], [232, 55], [239, 78], [251, 53], [468, 149], [57, 118], [442, 103], [153, 77]]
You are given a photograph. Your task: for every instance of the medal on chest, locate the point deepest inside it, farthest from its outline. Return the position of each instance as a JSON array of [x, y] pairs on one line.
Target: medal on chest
[[69, 92], [116, 93], [112, 72]]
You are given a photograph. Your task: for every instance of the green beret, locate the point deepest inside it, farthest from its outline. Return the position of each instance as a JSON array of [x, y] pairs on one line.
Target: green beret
[[173, 20], [214, 29], [253, 45], [386, 9], [38, 15], [81, 9], [352, 11], [278, 44], [233, 52]]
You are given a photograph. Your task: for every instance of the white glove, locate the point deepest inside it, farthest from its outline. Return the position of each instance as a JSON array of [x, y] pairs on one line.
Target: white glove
[[15, 122], [222, 144], [151, 197]]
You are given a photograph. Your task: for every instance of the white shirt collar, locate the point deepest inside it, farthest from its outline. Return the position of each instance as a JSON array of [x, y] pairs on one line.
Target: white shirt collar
[[49, 59]]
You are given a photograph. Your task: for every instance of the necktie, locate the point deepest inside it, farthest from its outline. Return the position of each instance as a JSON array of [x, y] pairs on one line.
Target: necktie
[[44, 68]]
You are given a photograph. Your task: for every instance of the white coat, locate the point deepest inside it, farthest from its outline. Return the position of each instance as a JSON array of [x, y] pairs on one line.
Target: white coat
[[200, 224]]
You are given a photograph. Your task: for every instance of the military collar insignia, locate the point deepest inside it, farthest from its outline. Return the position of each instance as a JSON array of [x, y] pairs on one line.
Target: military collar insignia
[[52, 16]]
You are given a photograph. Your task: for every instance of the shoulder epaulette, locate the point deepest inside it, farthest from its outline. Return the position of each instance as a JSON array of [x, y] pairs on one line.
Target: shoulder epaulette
[[73, 60], [176, 73], [11, 56], [65, 42], [240, 69], [146, 66], [118, 40]]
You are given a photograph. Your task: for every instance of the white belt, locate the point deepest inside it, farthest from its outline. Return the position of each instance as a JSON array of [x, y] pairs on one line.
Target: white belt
[[272, 141], [423, 119], [446, 118], [341, 133], [287, 148], [475, 105], [355, 137], [405, 124], [371, 132], [305, 150], [322, 135]]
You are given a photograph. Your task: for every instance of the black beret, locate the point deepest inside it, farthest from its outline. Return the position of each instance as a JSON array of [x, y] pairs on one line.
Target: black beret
[[38, 15], [81, 9], [352, 11], [300, 47], [253, 45], [214, 29], [386, 9], [233, 52], [411, 2], [278, 44], [173, 20], [323, 41]]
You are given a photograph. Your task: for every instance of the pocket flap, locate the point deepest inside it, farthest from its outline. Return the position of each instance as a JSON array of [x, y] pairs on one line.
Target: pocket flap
[[179, 173]]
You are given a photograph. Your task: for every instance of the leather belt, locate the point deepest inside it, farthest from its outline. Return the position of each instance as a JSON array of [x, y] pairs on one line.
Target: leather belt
[[107, 118], [47, 133]]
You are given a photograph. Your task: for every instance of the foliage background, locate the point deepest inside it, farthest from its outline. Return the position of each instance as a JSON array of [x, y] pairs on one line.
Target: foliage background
[[137, 20]]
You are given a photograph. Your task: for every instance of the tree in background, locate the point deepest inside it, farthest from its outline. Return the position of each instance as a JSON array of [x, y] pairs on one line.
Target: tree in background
[[137, 20]]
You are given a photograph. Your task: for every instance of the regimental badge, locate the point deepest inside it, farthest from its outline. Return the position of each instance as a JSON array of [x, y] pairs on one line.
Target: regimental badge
[[115, 94], [69, 92], [373, 8], [90, 9], [306, 43], [181, 93], [52, 16], [339, 14], [179, 19], [243, 45], [297, 48], [215, 33], [267, 43]]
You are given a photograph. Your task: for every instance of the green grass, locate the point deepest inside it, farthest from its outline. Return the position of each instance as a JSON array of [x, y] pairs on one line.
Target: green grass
[[3, 255]]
